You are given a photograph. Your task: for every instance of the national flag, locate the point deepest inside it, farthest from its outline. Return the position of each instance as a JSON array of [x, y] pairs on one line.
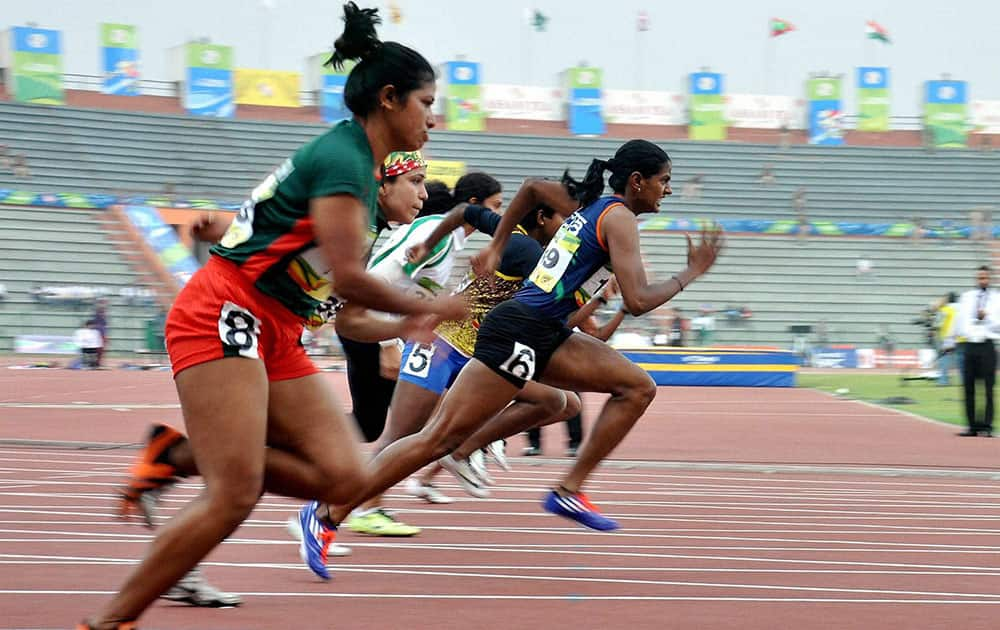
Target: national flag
[[876, 31], [780, 27], [642, 21], [536, 19]]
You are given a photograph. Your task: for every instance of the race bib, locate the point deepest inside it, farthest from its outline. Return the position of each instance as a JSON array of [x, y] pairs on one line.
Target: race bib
[[418, 364], [555, 260]]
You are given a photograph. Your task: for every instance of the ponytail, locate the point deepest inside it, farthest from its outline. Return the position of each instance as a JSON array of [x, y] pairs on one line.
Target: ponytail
[[379, 63], [590, 189]]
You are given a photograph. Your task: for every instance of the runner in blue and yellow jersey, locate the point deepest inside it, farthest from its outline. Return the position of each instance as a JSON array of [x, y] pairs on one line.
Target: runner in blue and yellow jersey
[[526, 338]]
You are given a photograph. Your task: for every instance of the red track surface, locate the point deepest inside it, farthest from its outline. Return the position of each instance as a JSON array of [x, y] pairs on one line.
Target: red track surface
[[709, 541]]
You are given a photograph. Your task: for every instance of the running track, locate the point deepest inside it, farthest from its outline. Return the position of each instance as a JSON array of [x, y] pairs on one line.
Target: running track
[[741, 508]]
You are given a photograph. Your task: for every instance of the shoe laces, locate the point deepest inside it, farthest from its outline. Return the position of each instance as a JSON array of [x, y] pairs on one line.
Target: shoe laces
[[326, 537]]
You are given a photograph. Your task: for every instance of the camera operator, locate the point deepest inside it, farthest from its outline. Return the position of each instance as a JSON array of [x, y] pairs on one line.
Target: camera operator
[[979, 323]]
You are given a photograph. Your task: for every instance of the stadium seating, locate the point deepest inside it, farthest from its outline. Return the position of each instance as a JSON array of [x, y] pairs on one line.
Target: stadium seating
[[783, 281], [56, 248]]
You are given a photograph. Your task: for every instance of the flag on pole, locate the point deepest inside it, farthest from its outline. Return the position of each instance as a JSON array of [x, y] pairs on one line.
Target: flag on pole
[[537, 20], [642, 22], [876, 31], [780, 27]]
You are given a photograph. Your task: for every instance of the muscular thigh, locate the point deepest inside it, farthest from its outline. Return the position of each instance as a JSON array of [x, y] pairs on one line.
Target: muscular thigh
[[583, 363], [305, 419]]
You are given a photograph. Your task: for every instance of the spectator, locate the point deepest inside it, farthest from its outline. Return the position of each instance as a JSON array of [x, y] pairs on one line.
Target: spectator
[[784, 137], [3, 292], [946, 339], [100, 320], [822, 334], [766, 177], [6, 162], [919, 229], [21, 167], [799, 205], [678, 329], [88, 340], [692, 189], [704, 326], [864, 267], [887, 345], [986, 143], [978, 321]]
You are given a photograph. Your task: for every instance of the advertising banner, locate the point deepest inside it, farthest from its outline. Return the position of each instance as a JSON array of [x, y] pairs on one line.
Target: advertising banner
[[835, 357], [522, 102], [707, 105], [584, 98], [36, 65], [639, 107], [826, 111], [873, 99], [946, 113], [208, 85], [763, 111], [331, 89], [162, 238], [120, 59], [447, 171], [271, 88], [464, 108], [986, 116]]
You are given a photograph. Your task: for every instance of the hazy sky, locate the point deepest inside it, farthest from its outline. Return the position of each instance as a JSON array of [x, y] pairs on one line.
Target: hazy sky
[[930, 37]]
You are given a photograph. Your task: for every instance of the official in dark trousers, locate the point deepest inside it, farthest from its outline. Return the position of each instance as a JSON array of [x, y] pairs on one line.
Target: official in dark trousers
[[978, 322]]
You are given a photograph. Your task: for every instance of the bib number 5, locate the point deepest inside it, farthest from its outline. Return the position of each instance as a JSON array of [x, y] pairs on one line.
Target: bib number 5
[[418, 364]]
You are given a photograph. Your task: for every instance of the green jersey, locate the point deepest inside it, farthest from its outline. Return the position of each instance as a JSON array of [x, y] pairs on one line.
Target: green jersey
[[272, 238]]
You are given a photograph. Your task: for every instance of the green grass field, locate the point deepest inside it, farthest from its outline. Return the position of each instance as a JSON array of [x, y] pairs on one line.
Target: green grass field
[[930, 400]]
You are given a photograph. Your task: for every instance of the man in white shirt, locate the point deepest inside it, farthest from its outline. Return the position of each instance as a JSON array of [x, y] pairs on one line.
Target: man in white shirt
[[978, 321], [88, 340]]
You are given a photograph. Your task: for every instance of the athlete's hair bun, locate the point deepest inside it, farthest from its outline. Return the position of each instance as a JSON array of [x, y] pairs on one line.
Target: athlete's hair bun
[[359, 40]]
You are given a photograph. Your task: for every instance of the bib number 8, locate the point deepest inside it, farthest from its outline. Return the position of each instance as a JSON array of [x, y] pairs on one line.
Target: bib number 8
[[418, 364], [238, 330]]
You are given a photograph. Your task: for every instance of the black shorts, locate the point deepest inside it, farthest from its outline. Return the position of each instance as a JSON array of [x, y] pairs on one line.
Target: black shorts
[[371, 393], [516, 341]]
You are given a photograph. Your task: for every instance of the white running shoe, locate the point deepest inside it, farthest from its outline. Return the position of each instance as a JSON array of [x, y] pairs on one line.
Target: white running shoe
[[478, 462], [195, 590], [426, 491], [466, 477], [498, 451], [295, 531]]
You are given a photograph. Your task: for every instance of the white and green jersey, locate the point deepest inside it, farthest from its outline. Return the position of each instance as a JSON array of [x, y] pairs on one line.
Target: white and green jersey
[[427, 278]]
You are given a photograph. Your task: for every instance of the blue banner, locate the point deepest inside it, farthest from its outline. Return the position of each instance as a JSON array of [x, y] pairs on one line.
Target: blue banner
[[717, 368], [946, 92], [210, 92], [331, 103], [834, 357], [121, 71], [586, 115], [37, 40], [163, 240], [826, 113]]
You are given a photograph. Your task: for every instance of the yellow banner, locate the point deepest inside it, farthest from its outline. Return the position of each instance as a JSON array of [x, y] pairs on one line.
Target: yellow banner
[[267, 87], [447, 171]]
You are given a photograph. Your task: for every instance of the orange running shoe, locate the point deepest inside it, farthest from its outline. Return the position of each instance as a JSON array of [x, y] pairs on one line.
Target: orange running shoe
[[128, 625], [150, 473]]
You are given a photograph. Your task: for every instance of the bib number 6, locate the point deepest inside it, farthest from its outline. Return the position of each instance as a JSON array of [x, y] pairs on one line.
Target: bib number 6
[[521, 362], [238, 330]]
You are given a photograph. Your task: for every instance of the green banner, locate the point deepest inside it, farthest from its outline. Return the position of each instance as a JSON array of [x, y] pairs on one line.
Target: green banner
[[873, 99], [708, 107], [119, 36], [36, 66], [463, 107], [209, 56], [946, 113]]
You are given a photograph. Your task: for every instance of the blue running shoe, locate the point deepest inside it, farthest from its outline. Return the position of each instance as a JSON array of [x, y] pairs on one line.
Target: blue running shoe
[[578, 507], [317, 537]]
